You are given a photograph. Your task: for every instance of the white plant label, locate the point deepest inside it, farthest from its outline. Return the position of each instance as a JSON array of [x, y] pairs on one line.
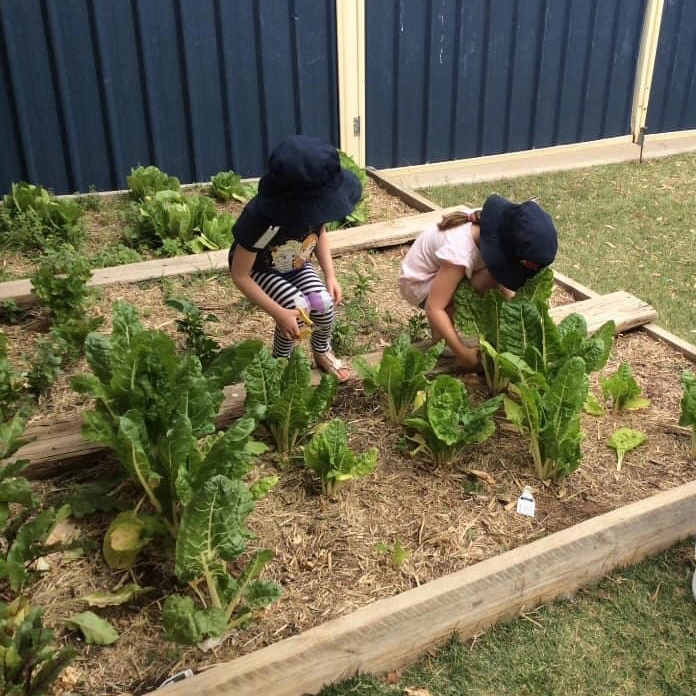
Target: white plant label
[[526, 505]]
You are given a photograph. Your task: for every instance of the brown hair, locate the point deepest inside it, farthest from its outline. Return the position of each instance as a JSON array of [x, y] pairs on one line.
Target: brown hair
[[457, 219]]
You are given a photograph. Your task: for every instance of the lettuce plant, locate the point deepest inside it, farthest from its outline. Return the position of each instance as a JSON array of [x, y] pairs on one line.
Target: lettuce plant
[[622, 390], [144, 182], [228, 186], [399, 376], [687, 416], [32, 218], [30, 662], [328, 455], [279, 393], [179, 223], [445, 424]]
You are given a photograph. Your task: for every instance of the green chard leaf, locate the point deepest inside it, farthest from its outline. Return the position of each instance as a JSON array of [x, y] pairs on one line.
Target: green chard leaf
[[622, 390], [687, 416], [96, 631], [328, 455], [624, 440]]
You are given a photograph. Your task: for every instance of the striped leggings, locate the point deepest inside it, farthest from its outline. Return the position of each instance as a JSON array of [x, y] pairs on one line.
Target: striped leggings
[[283, 288]]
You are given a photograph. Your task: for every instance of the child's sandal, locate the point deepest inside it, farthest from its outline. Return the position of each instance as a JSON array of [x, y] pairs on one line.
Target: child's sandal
[[329, 363]]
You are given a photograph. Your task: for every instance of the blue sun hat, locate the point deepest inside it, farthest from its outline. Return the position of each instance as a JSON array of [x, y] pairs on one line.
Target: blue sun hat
[[306, 185], [517, 240]]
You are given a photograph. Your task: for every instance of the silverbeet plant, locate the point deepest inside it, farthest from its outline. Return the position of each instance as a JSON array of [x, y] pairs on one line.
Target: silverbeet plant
[[328, 455], [445, 424], [399, 376], [24, 525], [687, 417], [156, 410], [30, 662], [280, 394]]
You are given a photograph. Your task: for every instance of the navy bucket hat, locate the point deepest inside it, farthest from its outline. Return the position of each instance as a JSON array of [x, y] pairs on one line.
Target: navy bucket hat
[[517, 240], [306, 185]]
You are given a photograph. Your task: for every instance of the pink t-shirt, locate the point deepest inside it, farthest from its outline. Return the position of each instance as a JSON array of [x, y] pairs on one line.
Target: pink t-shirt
[[431, 248]]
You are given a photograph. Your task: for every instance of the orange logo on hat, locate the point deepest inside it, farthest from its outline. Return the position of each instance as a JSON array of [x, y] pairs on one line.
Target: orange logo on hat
[[531, 265]]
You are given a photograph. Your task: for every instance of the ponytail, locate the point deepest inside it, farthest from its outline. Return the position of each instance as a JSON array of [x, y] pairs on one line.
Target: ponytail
[[457, 219]]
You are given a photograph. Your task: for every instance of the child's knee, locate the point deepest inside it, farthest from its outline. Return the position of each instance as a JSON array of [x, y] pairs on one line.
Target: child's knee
[[318, 303]]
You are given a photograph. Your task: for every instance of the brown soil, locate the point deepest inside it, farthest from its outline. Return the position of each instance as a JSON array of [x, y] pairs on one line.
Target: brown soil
[[328, 553]]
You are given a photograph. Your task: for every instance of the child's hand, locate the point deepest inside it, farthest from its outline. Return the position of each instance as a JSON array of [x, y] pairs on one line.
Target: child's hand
[[286, 320], [335, 290]]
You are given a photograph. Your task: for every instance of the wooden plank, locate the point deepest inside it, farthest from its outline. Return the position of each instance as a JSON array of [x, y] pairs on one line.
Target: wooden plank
[[57, 447], [627, 311], [414, 199], [392, 632], [380, 234], [687, 349]]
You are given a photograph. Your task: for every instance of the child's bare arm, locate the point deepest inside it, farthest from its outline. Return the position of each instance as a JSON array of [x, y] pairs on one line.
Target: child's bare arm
[[323, 254], [439, 300], [242, 263]]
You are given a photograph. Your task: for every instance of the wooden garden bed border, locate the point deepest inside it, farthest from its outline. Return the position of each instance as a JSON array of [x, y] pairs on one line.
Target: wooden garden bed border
[[378, 234], [392, 632], [579, 291]]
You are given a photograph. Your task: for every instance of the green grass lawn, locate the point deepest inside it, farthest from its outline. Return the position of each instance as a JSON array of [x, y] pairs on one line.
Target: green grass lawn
[[632, 635], [621, 227]]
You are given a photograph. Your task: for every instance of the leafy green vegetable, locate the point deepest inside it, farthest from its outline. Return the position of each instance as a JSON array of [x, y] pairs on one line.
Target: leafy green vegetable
[[24, 526], [213, 533], [126, 594], [522, 328], [624, 440], [360, 213], [593, 405], [34, 219], [687, 417], [152, 406], [622, 390], [181, 223], [445, 423], [144, 182], [191, 325], [229, 186], [328, 455], [399, 376], [548, 413], [279, 393], [29, 661], [13, 396], [96, 631]]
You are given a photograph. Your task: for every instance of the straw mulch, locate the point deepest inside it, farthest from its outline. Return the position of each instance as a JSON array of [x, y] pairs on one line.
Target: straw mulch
[[333, 555]]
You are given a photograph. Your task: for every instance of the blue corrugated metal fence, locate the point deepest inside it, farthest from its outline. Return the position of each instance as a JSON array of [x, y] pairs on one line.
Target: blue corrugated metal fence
[[91, 88]]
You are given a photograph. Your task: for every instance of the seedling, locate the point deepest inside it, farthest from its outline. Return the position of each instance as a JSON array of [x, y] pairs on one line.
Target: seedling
[[624, 440]]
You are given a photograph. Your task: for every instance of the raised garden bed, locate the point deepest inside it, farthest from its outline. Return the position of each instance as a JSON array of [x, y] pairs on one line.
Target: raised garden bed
[[333, 557]]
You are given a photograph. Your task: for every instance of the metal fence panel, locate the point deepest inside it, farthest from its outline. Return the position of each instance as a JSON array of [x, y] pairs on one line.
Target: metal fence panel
[[91, 88], [672, 103], [451, 79]]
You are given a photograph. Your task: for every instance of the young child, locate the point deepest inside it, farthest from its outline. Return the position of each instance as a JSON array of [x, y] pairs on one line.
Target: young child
[[499, 246], [277, 232]]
